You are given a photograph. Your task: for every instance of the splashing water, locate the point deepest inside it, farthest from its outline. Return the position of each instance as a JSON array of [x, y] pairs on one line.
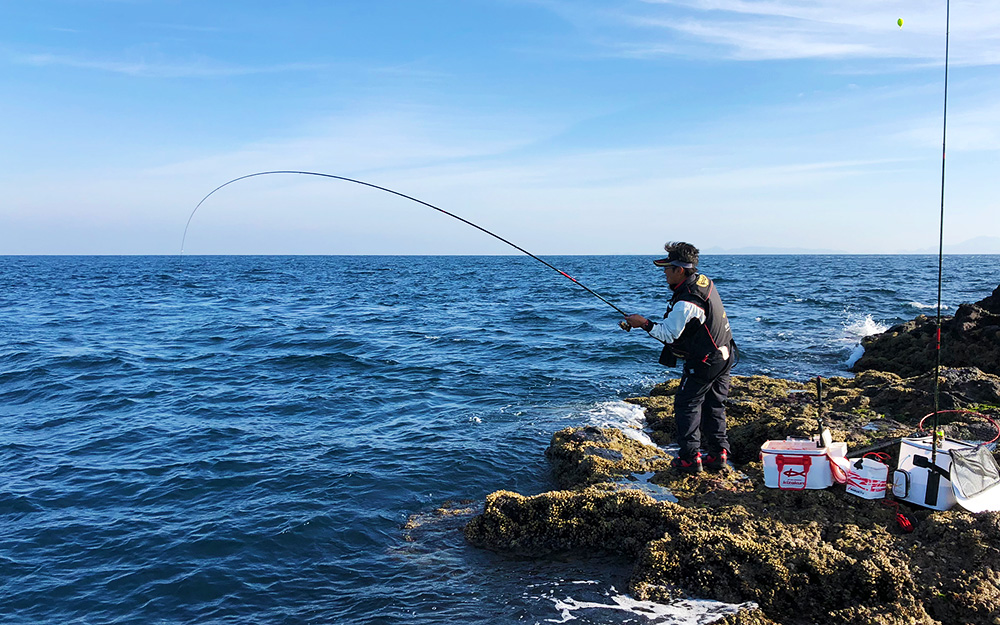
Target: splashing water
[[629, 418], [856, 328]]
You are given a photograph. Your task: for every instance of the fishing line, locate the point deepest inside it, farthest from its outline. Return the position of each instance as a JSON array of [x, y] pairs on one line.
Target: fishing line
[[408, 197]]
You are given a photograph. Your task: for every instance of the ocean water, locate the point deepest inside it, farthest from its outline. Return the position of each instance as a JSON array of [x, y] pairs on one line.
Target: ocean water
[[300, 439]]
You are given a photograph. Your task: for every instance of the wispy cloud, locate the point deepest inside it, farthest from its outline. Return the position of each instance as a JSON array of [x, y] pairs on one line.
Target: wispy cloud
[[791, 29], [419, 69], [389, 141], [200, 67], [970, 130], [485, 170], [760, 42], [157, 65]]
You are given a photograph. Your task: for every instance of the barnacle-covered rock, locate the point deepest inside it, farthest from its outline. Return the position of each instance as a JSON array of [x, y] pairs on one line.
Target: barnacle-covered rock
[[618, 521], [590, 455], [804, 557]]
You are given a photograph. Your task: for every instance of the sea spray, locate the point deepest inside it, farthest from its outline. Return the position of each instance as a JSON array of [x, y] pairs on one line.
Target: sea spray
[[857, 327], [920, 306], [628, 418]]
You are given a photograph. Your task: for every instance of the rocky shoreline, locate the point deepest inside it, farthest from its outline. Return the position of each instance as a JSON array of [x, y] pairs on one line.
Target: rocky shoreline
[[802, 556], [970, 338]]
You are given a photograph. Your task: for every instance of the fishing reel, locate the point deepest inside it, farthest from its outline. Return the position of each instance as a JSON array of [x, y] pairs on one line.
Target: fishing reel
[[625, 326]]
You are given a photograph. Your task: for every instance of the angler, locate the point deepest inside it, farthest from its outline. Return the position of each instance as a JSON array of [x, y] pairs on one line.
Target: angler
[[696, 329]]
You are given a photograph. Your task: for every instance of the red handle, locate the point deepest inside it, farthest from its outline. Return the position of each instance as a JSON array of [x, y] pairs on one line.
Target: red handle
[[920, 426], [881, 456]]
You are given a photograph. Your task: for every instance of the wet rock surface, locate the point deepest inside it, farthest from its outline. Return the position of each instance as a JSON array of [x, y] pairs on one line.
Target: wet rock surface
[[970, 338], [589, 455], [803, 557], [818, 557]]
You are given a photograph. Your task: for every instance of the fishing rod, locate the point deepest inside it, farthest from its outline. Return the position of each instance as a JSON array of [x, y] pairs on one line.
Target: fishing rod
[[623, 324], [944, 142]]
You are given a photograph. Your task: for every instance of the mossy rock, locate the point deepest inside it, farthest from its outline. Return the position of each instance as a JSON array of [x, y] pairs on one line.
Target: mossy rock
[[791, 570], [590, 455], [558, 521], [804, 557], [687, 486]]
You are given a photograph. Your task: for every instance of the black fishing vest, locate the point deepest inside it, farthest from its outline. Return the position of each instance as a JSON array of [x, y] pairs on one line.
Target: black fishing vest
[[699, 340]]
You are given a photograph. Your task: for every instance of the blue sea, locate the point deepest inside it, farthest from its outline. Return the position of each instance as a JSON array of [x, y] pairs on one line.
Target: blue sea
[[301, 439]]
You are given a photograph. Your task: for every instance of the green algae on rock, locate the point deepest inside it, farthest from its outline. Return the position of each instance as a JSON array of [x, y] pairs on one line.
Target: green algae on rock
[[590, 455], [802, 569], [618, 522], [804, 557]]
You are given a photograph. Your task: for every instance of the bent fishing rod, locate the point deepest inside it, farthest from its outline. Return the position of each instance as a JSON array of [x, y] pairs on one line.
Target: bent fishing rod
[[622, 324]]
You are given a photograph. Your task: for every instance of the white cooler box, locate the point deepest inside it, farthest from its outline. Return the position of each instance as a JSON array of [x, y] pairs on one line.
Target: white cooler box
[[918, 481], [798, 464]]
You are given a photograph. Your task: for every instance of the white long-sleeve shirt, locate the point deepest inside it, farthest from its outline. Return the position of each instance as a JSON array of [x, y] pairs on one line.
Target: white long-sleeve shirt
[[670, 329]]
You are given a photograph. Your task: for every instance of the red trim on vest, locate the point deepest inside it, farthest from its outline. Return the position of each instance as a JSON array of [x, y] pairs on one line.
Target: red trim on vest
[[705, 323]]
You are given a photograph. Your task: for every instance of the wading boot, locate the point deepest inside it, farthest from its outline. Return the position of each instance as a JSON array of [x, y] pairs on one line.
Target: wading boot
[[717, 461], [687, 466]]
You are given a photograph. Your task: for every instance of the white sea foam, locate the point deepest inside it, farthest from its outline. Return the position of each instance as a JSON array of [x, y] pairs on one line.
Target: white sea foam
[[628, 418], [920, 306], [681, 612], [855, 356], [856, 327]]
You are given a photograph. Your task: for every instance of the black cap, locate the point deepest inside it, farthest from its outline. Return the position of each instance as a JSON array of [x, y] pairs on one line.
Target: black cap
[[672, 260]]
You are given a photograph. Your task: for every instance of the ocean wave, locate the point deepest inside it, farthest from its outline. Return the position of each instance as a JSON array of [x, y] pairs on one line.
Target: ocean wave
[[163, 422], [855, 328], [920, 306], [855, 356]]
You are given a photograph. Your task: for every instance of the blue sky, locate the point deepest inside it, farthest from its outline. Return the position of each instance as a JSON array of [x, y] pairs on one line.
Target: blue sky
[[568, 127]]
